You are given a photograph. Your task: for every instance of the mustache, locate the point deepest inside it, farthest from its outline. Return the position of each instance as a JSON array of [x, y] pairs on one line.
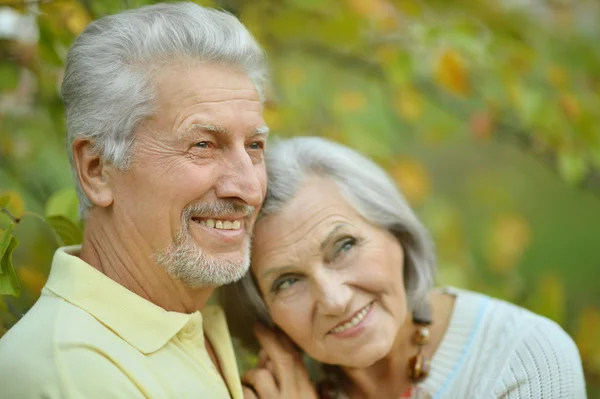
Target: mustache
[[217, 208]]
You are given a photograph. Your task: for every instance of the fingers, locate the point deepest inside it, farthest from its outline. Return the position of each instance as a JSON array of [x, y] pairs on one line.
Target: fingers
[[284, 361], [290, 346], [263, 383], [262, 357], [264, 361], [248, 393]]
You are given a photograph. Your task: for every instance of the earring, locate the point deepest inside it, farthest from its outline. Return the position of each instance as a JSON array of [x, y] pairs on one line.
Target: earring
[[419, 365]]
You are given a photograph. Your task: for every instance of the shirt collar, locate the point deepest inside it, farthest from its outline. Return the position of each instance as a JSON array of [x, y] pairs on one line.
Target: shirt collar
[[138, 321]]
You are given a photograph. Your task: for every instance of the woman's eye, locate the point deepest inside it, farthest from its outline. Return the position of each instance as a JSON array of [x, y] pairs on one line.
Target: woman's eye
[[283, 284], [346, 245]]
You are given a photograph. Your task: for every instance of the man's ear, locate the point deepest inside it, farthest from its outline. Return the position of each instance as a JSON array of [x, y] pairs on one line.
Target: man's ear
[[92, 173]]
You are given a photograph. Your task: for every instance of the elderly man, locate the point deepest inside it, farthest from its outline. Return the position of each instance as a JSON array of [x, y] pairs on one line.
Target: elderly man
[[166, 141]]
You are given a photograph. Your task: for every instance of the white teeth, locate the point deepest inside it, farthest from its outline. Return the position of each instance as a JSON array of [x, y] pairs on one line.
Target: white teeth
[[355, 320], [221, 224]]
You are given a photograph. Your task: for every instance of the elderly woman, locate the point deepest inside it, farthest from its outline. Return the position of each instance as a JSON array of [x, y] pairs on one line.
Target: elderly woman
[[342, 266]]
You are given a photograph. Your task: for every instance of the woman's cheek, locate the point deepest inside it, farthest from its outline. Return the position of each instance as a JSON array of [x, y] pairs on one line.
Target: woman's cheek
[[292, 315]]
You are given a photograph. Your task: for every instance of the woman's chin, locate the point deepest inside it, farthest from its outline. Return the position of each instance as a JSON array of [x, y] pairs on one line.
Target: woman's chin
[[362, 358]]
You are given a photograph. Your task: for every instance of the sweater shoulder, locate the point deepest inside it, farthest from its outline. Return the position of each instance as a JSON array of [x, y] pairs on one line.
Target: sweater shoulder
[[515, 351]]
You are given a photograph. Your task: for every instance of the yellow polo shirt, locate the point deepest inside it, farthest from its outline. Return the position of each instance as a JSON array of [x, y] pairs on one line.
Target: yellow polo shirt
[[89, 337]]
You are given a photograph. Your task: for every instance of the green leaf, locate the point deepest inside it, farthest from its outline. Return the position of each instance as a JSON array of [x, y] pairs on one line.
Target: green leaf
[[9, 284], [64, 202], [10, 76], [4, 200], [572, 167], [5, 235], [69, 232]]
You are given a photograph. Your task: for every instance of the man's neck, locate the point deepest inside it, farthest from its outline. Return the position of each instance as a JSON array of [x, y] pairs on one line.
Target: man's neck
[[121, 257]]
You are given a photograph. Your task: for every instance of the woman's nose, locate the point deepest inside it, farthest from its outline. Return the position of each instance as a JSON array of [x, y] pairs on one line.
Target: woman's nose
[[333, 296]]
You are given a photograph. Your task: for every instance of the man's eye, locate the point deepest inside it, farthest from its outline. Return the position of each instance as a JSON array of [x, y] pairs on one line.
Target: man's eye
[[202, 144], [257, 145]]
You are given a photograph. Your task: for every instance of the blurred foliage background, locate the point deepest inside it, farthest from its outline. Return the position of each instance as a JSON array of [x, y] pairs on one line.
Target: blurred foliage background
[[487, 113]]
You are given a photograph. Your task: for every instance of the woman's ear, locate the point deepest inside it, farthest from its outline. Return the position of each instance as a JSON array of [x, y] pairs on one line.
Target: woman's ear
[[92, 173]]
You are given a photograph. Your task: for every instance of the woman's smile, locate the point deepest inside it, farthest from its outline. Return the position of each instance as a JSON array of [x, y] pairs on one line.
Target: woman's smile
[[354, 325]]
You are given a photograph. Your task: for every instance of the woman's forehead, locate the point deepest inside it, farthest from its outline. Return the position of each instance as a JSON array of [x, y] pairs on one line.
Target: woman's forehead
[[304, 220]]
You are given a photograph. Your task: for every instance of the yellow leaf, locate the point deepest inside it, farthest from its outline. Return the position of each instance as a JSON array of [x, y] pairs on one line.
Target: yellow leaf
[[386, 55], [570, 106], [32, 279], [409, 104], [293, 76], [71, 14], [413, 180], [586, 336], [16, 204], [369, 8], [350, 101], [335, 134], [411, 7], [389, 22], [548, 298], [76, 19], [206, 3], [557, 76], [507, 240], [514, 91], [272, 118], [450, 73], [482, 125]]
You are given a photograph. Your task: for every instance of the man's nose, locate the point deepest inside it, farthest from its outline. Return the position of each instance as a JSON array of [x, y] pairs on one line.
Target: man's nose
[[241, 178], [334, 296]]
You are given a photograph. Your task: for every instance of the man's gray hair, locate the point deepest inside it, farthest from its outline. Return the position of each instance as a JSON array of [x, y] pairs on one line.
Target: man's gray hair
[[365, 185], [108, 87]]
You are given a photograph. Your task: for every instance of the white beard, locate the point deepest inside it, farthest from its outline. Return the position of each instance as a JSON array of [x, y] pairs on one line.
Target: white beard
[[185, 261]]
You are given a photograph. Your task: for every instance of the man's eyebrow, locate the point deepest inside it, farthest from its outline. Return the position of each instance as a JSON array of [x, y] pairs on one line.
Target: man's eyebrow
[[262, 130], [202, 127], [332, 233], [208, 127]]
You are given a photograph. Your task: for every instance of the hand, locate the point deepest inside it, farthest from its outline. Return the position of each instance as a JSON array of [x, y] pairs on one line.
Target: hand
[[280, 373]]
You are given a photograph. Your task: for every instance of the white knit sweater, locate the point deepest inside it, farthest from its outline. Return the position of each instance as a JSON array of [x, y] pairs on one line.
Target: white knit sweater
[[493, 349]]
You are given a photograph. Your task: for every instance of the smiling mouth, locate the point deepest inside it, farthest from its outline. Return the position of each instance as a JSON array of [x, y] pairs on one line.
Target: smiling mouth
[[220, 224], [357, 318]]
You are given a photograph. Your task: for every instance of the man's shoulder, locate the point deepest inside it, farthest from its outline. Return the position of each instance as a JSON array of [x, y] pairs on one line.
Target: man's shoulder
[[27, 353], [51, 325], [58, 350]]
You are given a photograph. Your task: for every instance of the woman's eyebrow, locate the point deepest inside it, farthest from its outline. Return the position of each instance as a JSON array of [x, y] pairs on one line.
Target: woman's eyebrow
[[277, 270], [331, 234]]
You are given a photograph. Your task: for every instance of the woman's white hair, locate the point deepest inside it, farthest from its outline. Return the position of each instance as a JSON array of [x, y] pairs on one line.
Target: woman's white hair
[[108, 87], [365, 185]]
